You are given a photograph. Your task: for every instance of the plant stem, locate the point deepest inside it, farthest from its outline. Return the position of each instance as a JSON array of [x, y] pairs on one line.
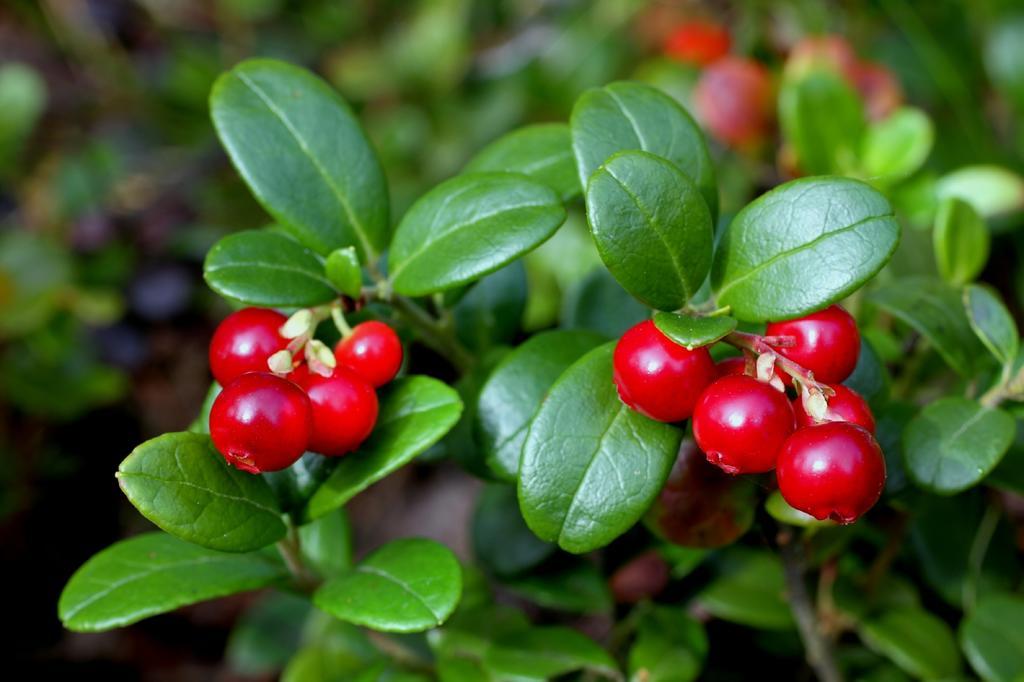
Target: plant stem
[[818, 648], [976, 556], [400, 653], [291, 551], [433, 333], [761, 344]]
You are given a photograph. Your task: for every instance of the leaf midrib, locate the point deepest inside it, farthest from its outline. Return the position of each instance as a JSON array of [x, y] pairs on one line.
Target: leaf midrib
[[404, 586], [123, 475]]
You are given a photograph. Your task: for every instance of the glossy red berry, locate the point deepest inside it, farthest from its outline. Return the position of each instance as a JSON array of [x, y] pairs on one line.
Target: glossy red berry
[[698, 42], [729, 366], [740, 423], [845, 406], [735, 101], [244, 341], [373, 351], [344, 409], [831, 471], [658, 377], [826, 342], [261, 422]]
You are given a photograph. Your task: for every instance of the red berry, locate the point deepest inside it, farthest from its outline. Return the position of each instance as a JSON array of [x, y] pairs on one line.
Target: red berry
[[373, 351], [734, 100], [878, 88], [740, 423], [730, 366], [845, 406], [244, 341], [261, 422], [698, 42], [834, 470], [658, 377], [344, 409], [826, 342]]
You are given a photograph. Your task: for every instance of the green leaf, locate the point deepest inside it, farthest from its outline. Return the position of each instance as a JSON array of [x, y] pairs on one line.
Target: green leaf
[[693, 332], [201, 424], [545, 653], [599, 303], [542, 152], [469, 226], [491, 312], [992, 638], [749, 590], [266, 636], [780, 510], [296, 484], [513, 392], [303, 154], [992, 322], [895, 147], [343, 271], [590, 465], [415, 412], [670, 646], [577, 588], [156, 573], [182, 484], [822, 120], [921, 644], [652, 229], [269, 269], [405, 586], [327, 542], [961, 241], [501, 541], [802, 246], [993, 191], [632, 116], [954, 443], [935, 310]]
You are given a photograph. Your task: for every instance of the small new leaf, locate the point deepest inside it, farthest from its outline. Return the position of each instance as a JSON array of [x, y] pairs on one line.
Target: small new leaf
[[342, 268]]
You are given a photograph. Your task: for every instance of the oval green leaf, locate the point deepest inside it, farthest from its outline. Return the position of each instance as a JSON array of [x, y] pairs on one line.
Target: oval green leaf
[[415, 412], [182, 484], [693, 332], [156, 573], [954, 443], [651, 227], [993, 191], [822, 120], [802, 246], [961, 241], [300, 149], [469, 226], [992, 637], [513, 392], [749, 590], [992, 322], [542, 152], [546, 653], [919, 643], [632, 116], [896, 146], [590, 465], [599, 303], [935, 310], [408, 585], [575, 588], [501, 541], [343, 271], [264, 268]]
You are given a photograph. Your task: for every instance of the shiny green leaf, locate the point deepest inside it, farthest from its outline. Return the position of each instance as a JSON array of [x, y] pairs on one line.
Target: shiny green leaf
[[749, 590], [542, 151], [992, 322], [920, 643], [992, 638], [961, 241], [343, 271], [693, 332], [896, 146], [545, 653]]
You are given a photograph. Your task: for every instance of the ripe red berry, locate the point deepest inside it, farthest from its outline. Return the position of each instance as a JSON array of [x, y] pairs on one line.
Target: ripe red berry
[[658, 377], [373, 351], [734, 100], [878, 88], [740, 423], [244, 341], [845, 406], [834, 470], [344, 409], [261, 422], [826, 342], [737, 365], [698, 42]]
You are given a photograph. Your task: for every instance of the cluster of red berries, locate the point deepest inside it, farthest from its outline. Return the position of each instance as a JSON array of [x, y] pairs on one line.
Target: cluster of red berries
[[827, 465], [264, 421]]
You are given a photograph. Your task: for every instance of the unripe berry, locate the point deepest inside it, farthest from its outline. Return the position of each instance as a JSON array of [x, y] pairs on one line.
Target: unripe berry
[[698, 42], [658, 377], [740, 423], [845, 406], [734, 99], [373, 351], [244, 341], [261, 422], [826, 342], [344, 409], [831, 471]]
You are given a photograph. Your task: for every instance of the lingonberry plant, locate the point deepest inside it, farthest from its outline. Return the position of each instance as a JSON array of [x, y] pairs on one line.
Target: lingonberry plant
[[587, 438]]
